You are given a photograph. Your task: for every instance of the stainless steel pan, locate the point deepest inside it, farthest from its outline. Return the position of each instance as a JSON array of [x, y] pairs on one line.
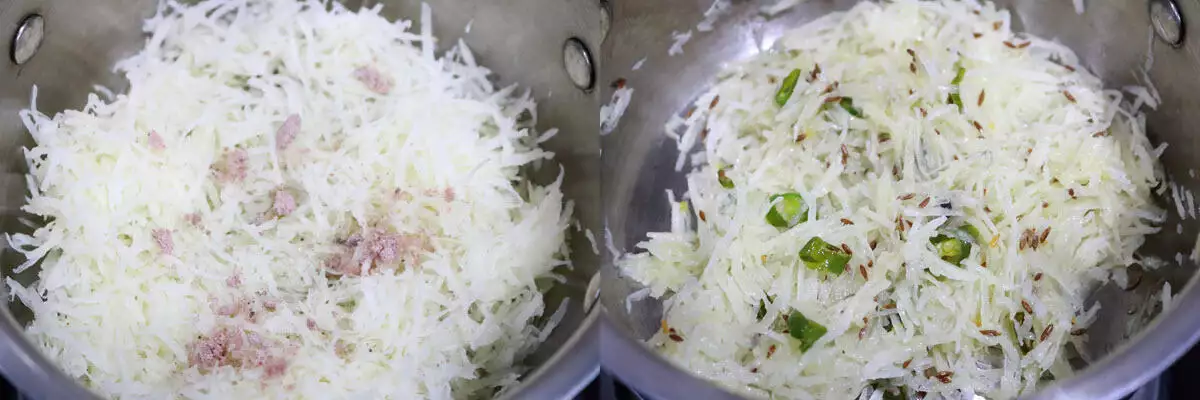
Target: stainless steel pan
[[521, 40], [1112, 38]]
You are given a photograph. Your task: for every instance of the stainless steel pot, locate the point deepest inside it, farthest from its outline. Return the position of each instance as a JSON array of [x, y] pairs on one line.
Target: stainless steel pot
[[1112, 38], [521, 40]]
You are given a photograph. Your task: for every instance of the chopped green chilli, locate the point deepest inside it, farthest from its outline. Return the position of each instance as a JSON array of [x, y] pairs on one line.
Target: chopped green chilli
[[973, 232], [804, 330], [848, 104], [724, 180], [786, 89], [956, 100], [788, 210], [821, 256], [959, 74], [951, 249]]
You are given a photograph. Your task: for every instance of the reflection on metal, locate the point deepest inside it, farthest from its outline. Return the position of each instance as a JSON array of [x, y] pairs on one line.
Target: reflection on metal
[[592, 294], [1167, 21], [605, 19], [578, 62], [28, 39]]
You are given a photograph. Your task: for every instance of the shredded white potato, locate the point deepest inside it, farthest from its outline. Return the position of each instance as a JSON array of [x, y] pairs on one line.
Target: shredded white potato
[[611, 113], [293, 200], [1026, 158]]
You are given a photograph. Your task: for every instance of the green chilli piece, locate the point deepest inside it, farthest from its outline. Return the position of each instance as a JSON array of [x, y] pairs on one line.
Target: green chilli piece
[[951, 249], [724, 180], [787, 211], [956, 100], [959, 74], [972, 231], [804, 330], [786, 89], [848, 104], [762, 305], [821, 256]]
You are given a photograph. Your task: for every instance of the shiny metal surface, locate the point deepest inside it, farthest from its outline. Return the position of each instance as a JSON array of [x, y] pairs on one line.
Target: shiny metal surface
[[28, 38], [1167, 22], [577, 60], [1111, 38], [520, 40]]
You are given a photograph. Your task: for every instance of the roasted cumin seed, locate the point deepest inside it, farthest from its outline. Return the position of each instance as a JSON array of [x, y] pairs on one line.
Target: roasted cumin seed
[[675, 337], [873, 244], [1028, 308], [906, 196], [1045, 234], [924, 203], [977, 35], [1070, 97], [982, 95], [944, 376], [1071, 192], [1046, 332], [996, 25], [912, 67], [989, 332], [1078, 332], [715, 100], [1037, 277], [847, 222], [846, 249], [978, 127], [862, 270], [845, 154], [801, 138], [770, 351], [702, 216], [906, 363]]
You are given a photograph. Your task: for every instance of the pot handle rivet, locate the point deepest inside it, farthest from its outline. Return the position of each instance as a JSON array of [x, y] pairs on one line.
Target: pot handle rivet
[[28, 39], [1167, 22], [577, 60]]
